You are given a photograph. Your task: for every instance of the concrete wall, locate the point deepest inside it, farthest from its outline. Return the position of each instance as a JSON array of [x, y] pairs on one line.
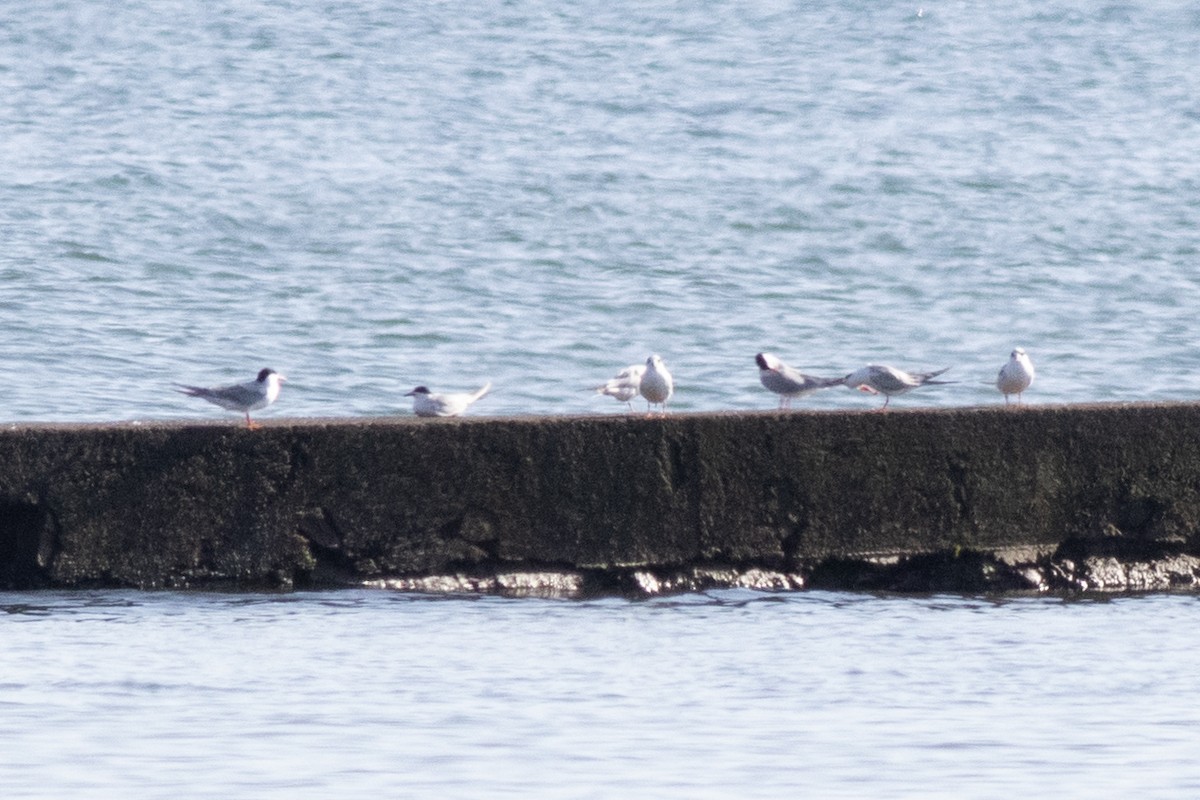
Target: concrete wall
[[967, 499]]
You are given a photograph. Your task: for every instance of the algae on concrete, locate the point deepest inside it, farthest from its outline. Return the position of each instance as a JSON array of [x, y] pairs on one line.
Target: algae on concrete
[[803, 494]]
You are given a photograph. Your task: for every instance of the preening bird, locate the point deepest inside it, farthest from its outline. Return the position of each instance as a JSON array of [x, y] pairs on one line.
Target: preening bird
[[889, 381], [624, 385], [788, 383]]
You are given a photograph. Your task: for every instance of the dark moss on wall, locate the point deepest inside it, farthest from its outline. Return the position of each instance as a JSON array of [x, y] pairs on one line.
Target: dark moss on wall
[[331, 501]]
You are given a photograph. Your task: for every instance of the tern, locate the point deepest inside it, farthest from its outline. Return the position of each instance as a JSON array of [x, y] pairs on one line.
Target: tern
[[430, 404], [1015, 376], [243, 397], [788, 383], [656, 384], [623, 386], [888, 381]]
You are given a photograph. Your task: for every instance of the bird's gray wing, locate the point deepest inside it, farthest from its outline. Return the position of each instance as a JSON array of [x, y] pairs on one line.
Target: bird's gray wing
[[193, 391], [891, 380], [806, 383], [928, 377], [238, 394], [784, 380]]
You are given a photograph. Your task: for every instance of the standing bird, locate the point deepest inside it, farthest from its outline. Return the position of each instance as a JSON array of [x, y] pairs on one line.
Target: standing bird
[[243, 397], [656, 384], [428, 404], [624, 385], [887, 381], [1015, 376], [786, 382]]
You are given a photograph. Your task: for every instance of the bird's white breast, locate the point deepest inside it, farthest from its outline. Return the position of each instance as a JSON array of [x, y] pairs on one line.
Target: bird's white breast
[[1015, 376]]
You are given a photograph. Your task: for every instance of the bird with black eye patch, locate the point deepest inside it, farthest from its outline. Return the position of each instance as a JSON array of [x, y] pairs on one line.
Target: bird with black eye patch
[[1016, 376], [788, 383], [242, 397], [431, 404]]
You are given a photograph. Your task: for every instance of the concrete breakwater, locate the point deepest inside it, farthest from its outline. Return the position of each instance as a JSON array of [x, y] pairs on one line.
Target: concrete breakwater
[[975, 500]]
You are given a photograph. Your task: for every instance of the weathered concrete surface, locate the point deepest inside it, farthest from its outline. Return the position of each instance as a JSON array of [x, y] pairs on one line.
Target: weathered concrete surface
[[964, 499]]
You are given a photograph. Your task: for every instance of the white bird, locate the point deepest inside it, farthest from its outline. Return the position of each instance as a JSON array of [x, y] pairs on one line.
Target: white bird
[[656, 385], [243, 397], [1016, 376], [624, 385], [429, 404], [788, 383], [888, 381]]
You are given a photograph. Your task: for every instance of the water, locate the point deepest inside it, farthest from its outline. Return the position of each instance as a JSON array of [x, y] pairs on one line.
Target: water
[[734, 693], [371, 195]]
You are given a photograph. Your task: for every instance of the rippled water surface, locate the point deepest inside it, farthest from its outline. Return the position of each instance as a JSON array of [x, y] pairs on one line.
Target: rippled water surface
[[371, 195], [729, 694]]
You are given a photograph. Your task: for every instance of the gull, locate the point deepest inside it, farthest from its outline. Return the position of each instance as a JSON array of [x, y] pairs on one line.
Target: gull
[[786, 382], [1015, 376], [624, 385], [244, 397], [656, 384], [429, 404], [879, 379]]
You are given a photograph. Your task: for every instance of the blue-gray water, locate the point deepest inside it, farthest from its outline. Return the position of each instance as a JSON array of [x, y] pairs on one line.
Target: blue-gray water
[[371, 195], [729, 694]]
